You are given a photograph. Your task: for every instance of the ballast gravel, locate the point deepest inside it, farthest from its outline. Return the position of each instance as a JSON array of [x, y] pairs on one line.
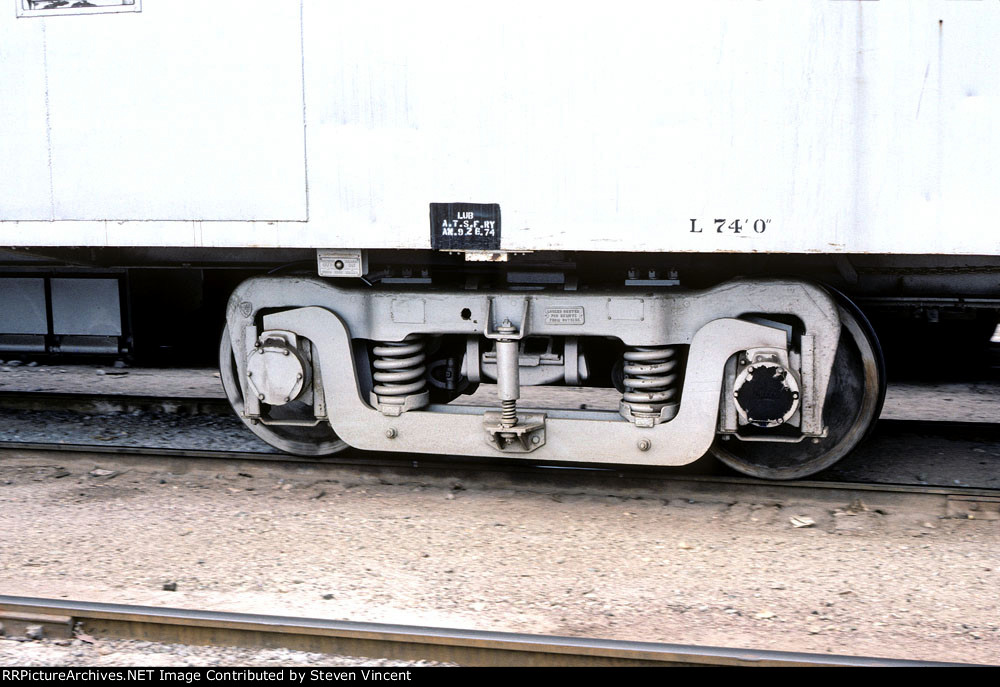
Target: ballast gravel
[[525, 556]]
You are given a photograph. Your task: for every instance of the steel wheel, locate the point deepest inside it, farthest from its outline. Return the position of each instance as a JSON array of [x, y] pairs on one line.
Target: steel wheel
[[853, 403], [320, 440]]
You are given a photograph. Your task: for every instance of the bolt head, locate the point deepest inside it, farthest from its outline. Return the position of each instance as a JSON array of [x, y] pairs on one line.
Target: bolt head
[[260, 397], [645, 444], [536, 439], [390, 433]]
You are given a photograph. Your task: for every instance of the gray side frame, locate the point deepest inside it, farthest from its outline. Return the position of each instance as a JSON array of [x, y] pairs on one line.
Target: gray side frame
[[331, 315]]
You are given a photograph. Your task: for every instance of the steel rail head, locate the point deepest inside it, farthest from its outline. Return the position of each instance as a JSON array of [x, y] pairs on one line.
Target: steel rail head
[[627, 475], [462, 646]]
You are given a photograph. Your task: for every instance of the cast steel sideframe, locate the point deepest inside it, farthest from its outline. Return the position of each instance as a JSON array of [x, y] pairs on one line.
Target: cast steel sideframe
[[682, 440]]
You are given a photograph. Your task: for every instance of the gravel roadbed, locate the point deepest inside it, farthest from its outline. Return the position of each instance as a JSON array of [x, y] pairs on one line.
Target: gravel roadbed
[[305, 541]]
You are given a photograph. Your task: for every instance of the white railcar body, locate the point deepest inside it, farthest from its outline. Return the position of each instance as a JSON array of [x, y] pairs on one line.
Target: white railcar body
[[807, 127]]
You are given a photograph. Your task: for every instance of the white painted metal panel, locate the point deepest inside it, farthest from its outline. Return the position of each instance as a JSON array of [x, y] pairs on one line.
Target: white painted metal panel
[[24, 162], [851, 127], [187, 110]]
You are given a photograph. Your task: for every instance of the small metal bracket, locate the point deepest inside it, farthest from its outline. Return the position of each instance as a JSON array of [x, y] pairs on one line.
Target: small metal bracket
[[394, 406], [485, 256], [346, 262], [524, 437], [651, 278], [491, 326], [667, 413]]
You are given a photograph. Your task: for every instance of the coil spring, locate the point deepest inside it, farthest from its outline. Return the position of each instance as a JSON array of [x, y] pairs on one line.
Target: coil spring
[[399, 367], [650, 380], [508, 413]]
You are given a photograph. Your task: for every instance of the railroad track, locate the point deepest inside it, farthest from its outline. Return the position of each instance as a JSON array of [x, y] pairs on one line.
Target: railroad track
[[950, 501], [690, 481], [112, 403], [61, 618]]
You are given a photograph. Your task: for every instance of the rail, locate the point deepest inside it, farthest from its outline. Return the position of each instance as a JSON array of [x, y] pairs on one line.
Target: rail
[[373, 640]]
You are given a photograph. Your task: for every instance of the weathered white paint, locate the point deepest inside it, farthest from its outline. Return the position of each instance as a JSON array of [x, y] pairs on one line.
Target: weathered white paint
[[851, 126]]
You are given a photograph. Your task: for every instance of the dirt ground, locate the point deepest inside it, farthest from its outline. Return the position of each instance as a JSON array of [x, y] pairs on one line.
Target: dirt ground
[[318, 542]]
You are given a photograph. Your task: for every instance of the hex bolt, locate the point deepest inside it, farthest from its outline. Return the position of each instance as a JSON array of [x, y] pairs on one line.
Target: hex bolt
[[536, 439], [390, 433], [260, 397], [287, 352], [645, 444]]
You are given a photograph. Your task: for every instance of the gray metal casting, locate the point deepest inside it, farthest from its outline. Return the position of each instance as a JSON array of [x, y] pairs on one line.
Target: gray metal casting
[[331, 316]]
